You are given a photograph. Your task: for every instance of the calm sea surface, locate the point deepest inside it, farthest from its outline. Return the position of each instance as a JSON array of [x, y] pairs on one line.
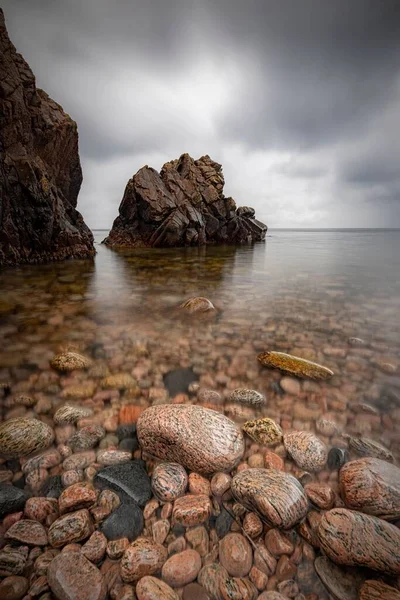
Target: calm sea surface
[[303, 292]]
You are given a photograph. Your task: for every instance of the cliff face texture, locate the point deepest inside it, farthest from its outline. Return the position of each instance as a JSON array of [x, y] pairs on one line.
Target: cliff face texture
[[40, 172], [183, 205]]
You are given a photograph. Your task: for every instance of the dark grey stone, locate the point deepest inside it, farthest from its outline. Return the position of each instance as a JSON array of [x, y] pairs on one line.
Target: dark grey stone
[[124, 521], [52, 487], [129, 480], [178, 381], [12, 499]]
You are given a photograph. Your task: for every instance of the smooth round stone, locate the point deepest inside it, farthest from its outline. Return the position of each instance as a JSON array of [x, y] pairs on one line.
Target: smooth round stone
[[70, 528], [276, 496], [142, 558], [236, 588], [355, 539], [71, 414], [12, 499], [378, 590], [27, 532], [197, 305], [72, 576], [151, 588], [220, 484], [337, 457], [13, 587], [235, 554], [129, 480], [191, 510], [169, 481], [246, 396], [342, 582], [306, 449], [182, 568], [20, 437], [124, 521], [371, 486], [69, 361], [198, 438], [263, 431]]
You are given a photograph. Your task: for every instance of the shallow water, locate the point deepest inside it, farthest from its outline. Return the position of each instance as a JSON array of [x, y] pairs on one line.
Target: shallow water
[[302, 292]]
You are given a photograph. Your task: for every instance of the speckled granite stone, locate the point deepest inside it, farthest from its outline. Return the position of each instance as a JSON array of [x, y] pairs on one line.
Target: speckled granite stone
[[355, 539], [72, 576], [169, 481], [276, 496], [198, 438], [306, 449], [371, 486], [378, 590]]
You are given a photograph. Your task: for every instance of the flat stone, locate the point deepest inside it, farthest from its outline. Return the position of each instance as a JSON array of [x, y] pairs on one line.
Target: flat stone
[[20, 437], [46, 460], [371, 486], [13, 587], [124, 521], [235, 554], [70, 528], [246, 396], [263, 431], [151, 588], [378, 590], [142, 558], [343, 583], [80, 460], [119, 381], [191, 510], [71, 414], [69, 361], [71, 577], [113, 457], [169, 481], [197, 305], [271, 596], [28, 532], [129, 480], [367, 447], [12, 499], [293, 365], [198, 438], [182, 568], [76, 496], [276, 496], [79, 391], [355, 539], [306, 449]]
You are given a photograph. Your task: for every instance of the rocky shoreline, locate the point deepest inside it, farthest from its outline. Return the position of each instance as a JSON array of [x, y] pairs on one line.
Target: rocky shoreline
[[144, 495]]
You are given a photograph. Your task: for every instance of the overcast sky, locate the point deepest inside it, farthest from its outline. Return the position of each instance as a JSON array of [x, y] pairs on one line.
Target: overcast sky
[[298, 99]]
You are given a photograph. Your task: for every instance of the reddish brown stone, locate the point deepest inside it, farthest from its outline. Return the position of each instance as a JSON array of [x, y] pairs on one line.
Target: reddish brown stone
[[320, 494], [38, 508], [95, 548], [77, 496], [235, 588], [378, 590], [235, 554], [199, 484], [273, 461], [277, 497], [193, 591], [198, 538], [130, 413], [356, 539], [143, 557], [13, 587], [151, 588], [277, 543], [169, 481], [271, 595], [70, 528], [116, 548], [160, 530], [210, 577], [72, 576], [191, 510], [252, 525], [27, 532], [182, 568], [371, 486], [259, 578], [264, 560], [285, 569]]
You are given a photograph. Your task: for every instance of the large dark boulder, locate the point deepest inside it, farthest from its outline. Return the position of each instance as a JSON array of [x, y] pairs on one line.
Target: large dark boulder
[[183, 205], [40, 172]]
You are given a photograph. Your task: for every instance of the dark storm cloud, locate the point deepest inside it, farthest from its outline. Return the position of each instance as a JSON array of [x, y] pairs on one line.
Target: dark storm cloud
[[299, 99]]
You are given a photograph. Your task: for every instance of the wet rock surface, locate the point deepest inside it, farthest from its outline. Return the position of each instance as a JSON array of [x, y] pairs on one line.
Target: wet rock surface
[[124, 521], [294, 365], [306, 449], [40, 170], [200, 439], [129, 480], [378, 590], [169, 481], [183, 205], [143, 557], [71, 576]]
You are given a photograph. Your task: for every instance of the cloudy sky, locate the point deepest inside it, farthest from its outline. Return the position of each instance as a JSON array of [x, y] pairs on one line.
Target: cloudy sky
[[298, 99]]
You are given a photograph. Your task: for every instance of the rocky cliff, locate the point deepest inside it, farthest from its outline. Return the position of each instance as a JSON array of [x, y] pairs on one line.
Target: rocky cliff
[[40, 172], [183, 205]]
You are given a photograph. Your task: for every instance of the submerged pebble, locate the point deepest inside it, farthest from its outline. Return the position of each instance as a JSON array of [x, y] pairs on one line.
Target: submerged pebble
[[246, 396], [21, 437], [263, 431], [294, 365]]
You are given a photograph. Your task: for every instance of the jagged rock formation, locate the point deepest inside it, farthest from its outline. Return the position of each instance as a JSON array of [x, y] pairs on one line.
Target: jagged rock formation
[[40, 172], [183, 205]]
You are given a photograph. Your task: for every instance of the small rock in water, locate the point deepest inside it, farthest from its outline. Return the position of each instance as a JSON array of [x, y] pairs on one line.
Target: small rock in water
[[277, 497], [237, 588], [210, 577], [113, 457], [70, 414], [182, 568], [152, 588], [86, 438], [77, 496], [235, 554], [191, 510], [300, 367], [354, 341], [326, 427], [71, 576], [69, 361], [12, 499], [371, 486], [264, 431], [337, 457], [13, 560], [198, 438], [356, 539], [246, 396], [70, 528], [367, 447], [342, 582], [52, 487], [19, 400], [290, 385], [179, 380], [119, 381], [169, 481], [27, 532], [129, 480], [306, 449], [13, 587], [197, 305], [79, 391], [20, 437], [378, 590], [143, 557], [124, 521]]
